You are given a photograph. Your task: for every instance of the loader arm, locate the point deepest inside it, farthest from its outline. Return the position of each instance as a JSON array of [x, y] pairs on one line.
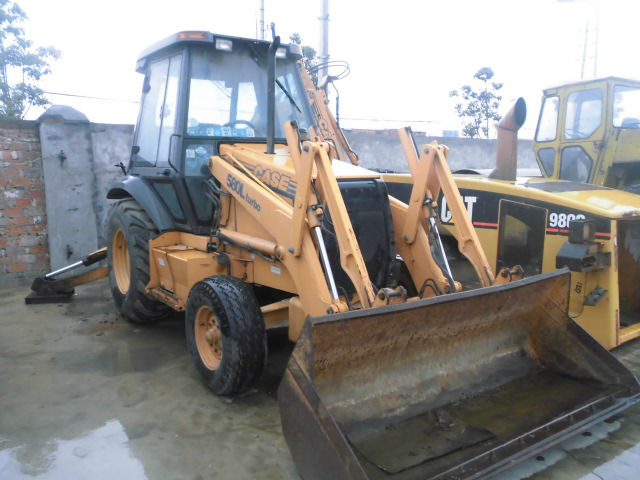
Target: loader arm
[[431, 174], [296, 228]]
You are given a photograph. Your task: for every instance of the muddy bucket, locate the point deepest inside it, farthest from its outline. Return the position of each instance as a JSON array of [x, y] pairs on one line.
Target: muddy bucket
[[459, 386]]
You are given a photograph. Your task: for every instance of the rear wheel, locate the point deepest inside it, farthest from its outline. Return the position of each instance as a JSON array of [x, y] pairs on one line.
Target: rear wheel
[[128, 232], [226, 336]]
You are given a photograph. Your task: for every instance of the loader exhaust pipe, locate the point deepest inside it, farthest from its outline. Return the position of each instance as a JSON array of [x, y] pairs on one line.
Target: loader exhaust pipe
[[271, 93], [507, 144]]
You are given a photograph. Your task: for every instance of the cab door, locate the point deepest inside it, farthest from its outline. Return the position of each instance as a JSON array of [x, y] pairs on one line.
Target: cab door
[[546, 144], [156, 141], [582, 133]]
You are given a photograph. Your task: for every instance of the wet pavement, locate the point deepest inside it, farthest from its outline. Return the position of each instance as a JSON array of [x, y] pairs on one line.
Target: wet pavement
[[87, 395]]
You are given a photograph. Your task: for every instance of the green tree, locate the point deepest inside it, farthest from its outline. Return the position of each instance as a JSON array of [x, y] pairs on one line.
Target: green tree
[[478, 106], [309, 57], [21, 64]]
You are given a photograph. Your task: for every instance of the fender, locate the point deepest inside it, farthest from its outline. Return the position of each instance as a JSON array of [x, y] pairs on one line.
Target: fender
[[143, 193]]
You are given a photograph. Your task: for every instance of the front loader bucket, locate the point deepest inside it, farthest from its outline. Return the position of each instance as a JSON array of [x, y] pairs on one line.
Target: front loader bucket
[[456, 387]]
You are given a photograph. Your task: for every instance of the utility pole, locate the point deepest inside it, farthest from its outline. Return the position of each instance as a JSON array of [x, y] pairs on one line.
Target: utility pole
[[261, 34], [584, 52], [597, 46], [324, 41], [596, 29]]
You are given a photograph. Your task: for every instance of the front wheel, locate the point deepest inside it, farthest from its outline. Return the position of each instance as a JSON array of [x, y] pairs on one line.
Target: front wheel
[[226, 335]]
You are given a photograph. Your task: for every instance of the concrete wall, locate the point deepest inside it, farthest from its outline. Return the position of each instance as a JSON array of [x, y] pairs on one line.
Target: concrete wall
[[382, 149], [23, 222], [79, 166]]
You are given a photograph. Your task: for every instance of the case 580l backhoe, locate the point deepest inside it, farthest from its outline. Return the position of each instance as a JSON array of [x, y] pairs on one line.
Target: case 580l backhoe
[[235, 210]]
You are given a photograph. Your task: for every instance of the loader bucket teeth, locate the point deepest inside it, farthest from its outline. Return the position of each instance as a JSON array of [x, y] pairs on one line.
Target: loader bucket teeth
[[457, 386]]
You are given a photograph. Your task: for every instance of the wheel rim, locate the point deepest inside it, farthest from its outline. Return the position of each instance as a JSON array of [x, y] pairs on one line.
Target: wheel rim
[[208, 337], [121, 268]]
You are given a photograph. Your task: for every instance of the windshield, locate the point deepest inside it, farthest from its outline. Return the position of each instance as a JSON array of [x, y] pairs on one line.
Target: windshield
[[626, 107], [228, 95], [584, 113]]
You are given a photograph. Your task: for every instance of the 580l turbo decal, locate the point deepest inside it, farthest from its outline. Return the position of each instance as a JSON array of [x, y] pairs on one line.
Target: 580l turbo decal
[[237, 186]]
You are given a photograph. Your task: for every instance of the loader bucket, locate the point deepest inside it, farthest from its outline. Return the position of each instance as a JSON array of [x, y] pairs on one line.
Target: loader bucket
[[453, 387]]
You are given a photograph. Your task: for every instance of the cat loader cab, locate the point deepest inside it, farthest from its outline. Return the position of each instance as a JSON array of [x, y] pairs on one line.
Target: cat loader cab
[[590, 132]]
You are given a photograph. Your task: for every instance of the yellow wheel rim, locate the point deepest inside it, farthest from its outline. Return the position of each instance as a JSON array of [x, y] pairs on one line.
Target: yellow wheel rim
[[121, 268], [208, 337]]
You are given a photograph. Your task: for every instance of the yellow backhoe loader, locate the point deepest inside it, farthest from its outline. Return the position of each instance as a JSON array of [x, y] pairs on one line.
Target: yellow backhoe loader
[[235, 210]]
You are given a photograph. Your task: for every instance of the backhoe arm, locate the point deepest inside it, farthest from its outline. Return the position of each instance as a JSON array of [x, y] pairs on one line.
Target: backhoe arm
[[326, 126]]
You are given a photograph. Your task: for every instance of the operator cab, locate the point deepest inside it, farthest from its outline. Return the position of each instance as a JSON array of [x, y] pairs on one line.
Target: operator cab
[[587, 132], [201, 90]]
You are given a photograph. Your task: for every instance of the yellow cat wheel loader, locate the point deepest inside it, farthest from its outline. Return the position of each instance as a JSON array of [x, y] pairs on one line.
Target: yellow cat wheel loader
[[544, 223], [236, 211]]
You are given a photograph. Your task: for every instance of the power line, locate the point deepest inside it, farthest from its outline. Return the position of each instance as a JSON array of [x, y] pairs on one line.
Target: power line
[[106, 99], [388, 120], [91, 98]]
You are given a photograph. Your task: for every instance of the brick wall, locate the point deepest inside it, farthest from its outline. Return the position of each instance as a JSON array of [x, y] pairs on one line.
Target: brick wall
[[23, 224]]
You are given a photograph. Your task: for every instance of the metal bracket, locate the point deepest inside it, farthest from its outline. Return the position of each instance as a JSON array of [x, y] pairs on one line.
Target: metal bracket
[[595, 296]]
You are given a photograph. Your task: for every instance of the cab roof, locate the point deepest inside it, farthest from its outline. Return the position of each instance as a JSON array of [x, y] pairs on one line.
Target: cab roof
[[594, 81], [203, 38]]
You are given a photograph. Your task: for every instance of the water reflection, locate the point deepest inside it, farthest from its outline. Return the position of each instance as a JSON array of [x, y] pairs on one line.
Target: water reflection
[[102, 453]]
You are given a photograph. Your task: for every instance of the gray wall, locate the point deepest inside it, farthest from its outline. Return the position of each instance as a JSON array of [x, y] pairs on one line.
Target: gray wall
[[382, 149], [78, 160]]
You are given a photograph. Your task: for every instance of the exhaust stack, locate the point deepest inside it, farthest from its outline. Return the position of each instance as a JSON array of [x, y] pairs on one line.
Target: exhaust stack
[[507, 145]]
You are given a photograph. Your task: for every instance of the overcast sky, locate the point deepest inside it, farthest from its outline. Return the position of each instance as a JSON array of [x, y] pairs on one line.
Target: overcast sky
[[405, 56]]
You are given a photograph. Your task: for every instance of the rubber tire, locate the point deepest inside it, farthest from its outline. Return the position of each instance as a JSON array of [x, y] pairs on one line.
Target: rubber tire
[[244, 337], [135, 305]]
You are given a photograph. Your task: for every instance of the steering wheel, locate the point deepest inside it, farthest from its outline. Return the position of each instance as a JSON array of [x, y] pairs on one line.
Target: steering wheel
[[240, 122]]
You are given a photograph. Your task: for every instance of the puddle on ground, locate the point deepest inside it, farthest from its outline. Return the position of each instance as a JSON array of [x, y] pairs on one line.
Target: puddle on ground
[[102, 453]]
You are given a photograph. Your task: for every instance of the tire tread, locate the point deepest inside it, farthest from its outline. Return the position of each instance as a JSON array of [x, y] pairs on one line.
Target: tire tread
[[241, 323], [138, 229]]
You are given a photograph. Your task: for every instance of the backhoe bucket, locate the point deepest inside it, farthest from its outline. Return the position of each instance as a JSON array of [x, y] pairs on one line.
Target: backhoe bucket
[[454, 387]]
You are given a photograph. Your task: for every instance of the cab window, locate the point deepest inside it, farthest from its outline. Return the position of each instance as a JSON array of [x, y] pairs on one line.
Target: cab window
[[548, 122], [547, 157], [575, 164], [228, 95], [158, 112], [522, 229], [196, 175], [584, 113], [626, 107]]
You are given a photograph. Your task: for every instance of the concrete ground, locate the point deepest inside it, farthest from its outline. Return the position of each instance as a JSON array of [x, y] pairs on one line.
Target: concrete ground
[[86, 395]]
